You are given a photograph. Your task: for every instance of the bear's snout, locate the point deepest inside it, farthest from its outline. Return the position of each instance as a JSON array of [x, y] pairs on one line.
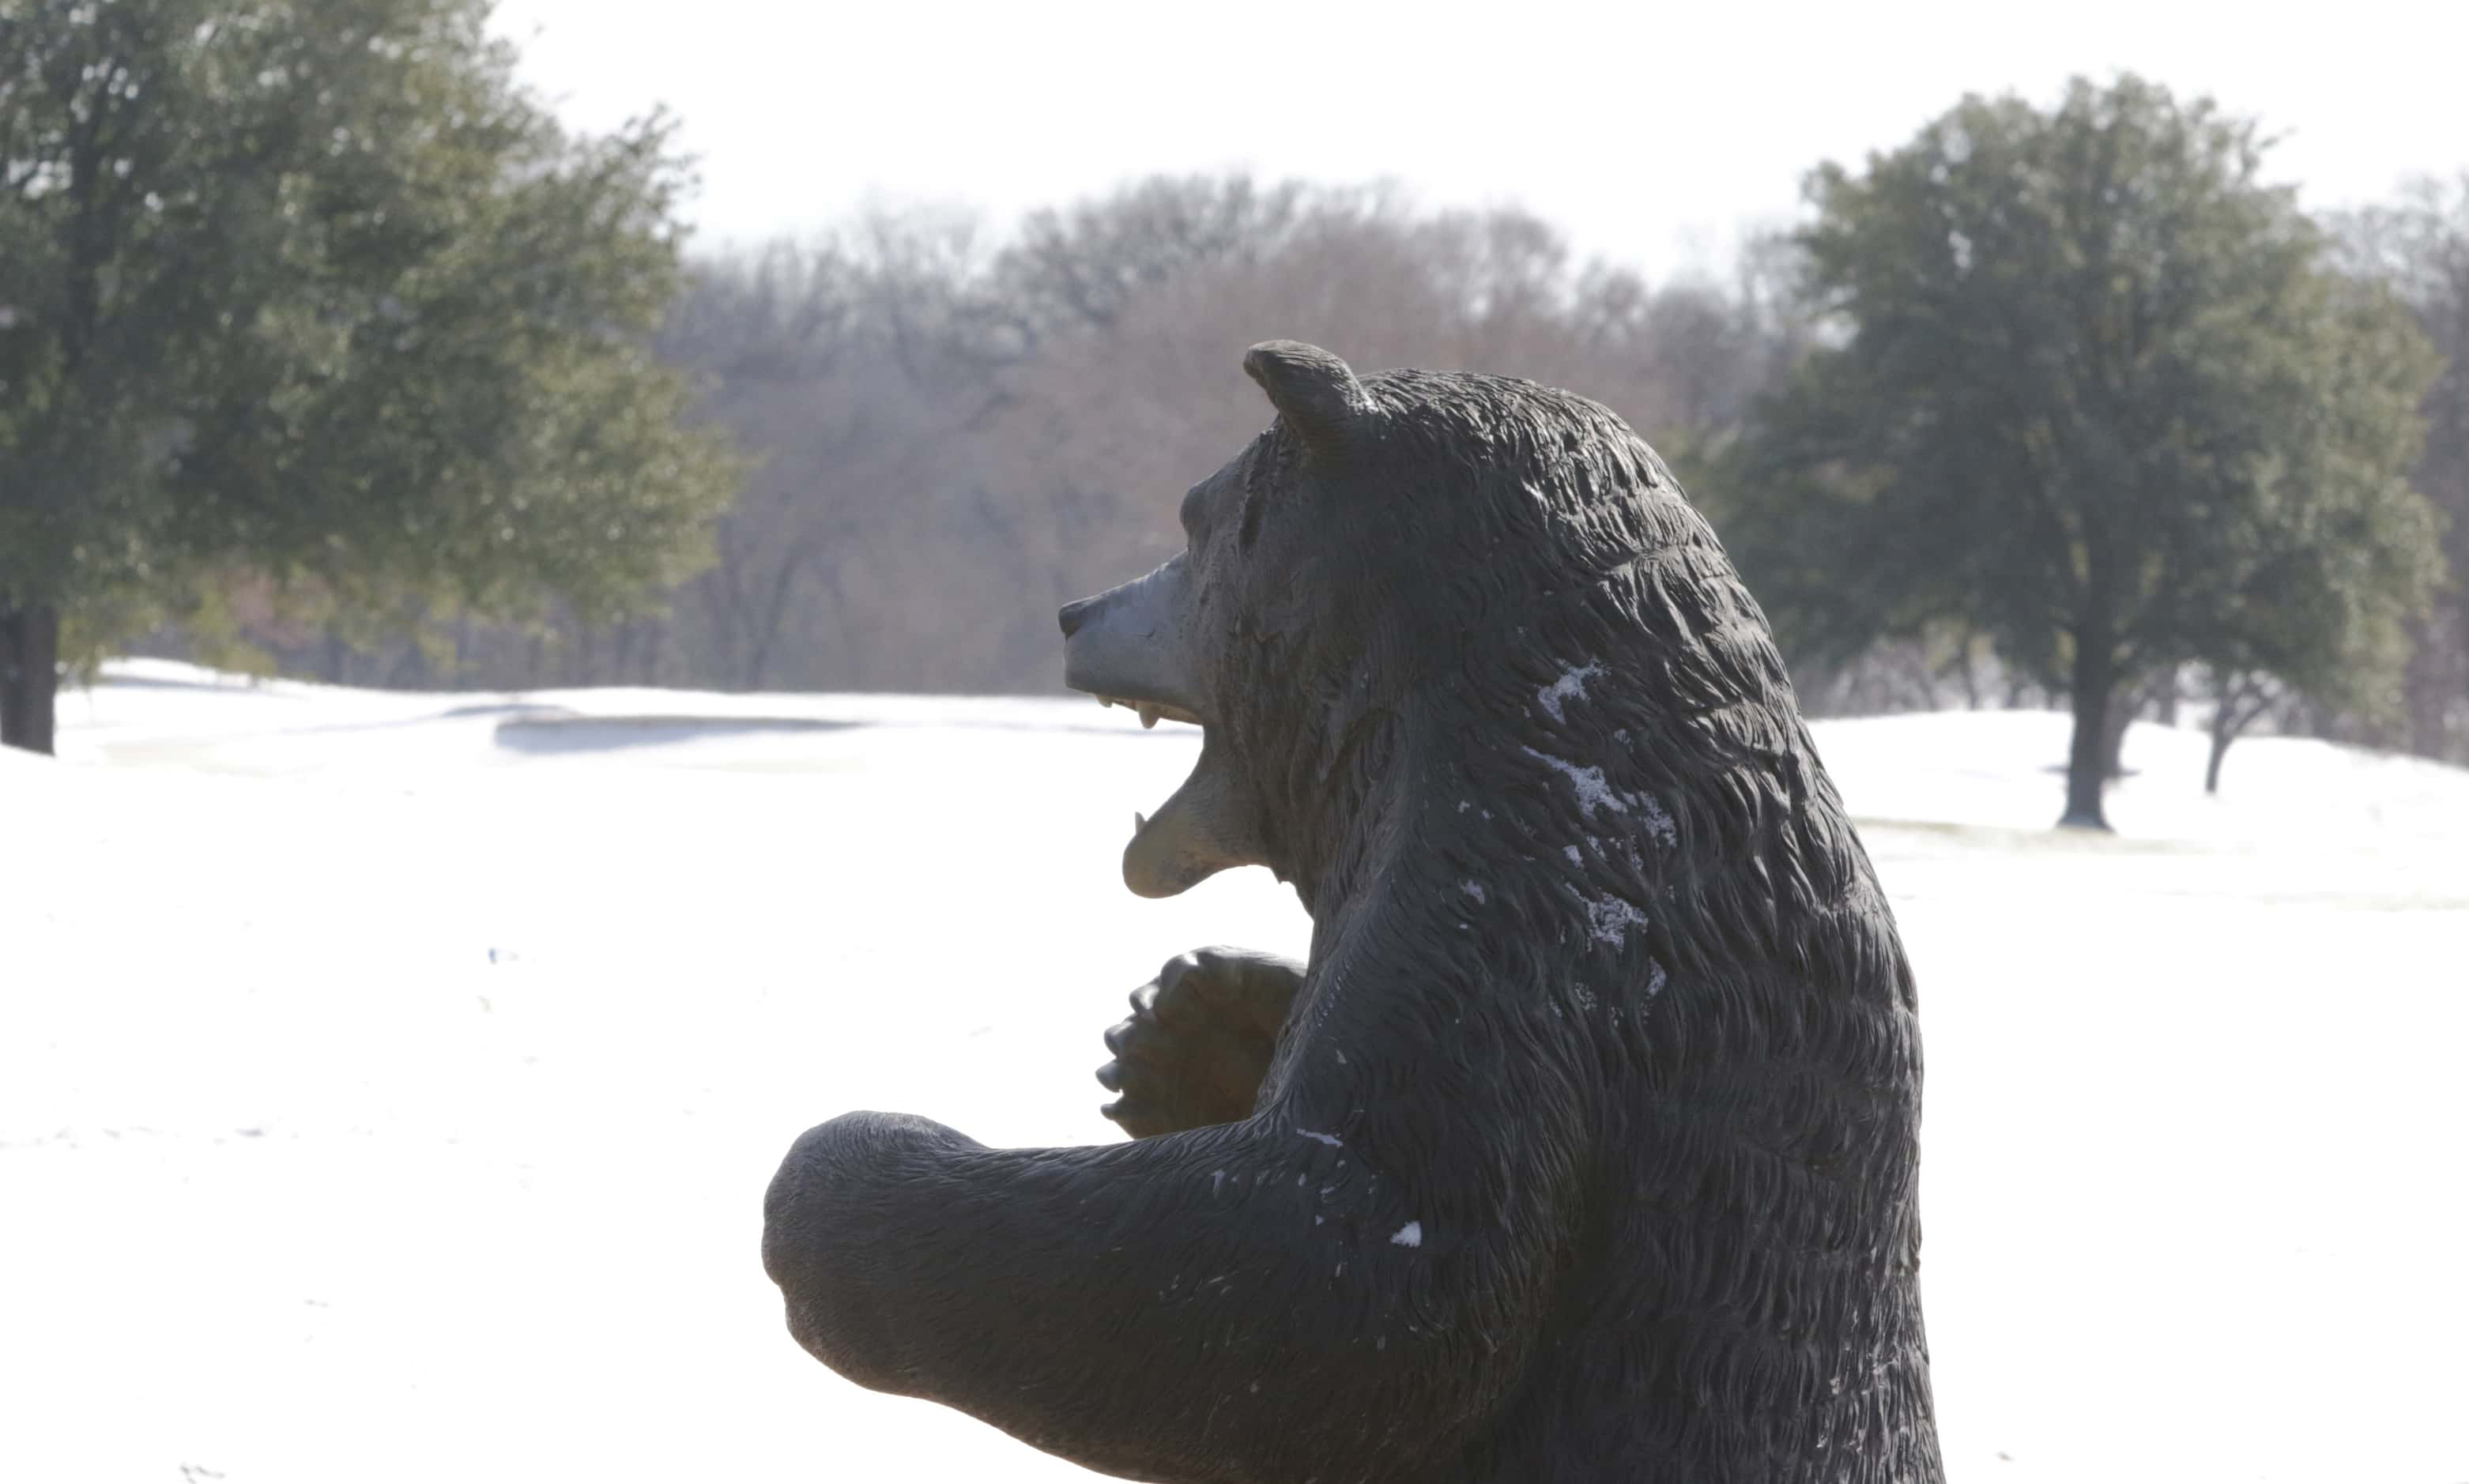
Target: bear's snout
[[1076, 614]]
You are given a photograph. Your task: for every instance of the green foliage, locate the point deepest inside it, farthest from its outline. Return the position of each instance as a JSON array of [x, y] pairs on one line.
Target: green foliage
[[2097, 393], [315, 290], [2419, 247]]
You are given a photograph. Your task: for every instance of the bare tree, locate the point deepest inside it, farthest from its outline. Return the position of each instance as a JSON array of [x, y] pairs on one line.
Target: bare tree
[[955, 437]]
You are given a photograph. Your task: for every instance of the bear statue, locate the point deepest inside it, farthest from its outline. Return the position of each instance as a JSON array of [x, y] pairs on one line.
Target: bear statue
[[1584, 1148]]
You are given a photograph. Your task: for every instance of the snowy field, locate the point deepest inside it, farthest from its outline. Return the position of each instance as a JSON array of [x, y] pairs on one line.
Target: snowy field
[[389, 1082]]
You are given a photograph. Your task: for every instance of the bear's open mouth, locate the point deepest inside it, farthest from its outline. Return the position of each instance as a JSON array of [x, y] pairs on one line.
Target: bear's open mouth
[[1126, 647], [1208, 825], [1151, 712]]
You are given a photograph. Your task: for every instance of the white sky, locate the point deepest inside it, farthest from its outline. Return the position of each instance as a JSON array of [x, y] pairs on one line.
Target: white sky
[[1651, 133]]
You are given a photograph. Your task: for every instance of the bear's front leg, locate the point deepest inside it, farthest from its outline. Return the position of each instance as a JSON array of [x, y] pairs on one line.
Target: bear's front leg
[[1199, 1041]]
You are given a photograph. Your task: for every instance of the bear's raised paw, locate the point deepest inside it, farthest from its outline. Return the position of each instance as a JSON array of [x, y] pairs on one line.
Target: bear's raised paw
[[1198, 1041]]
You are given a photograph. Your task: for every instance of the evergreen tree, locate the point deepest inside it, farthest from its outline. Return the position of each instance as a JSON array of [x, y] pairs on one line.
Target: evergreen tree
[[317, 292], [2420, 246], [2097, 393]]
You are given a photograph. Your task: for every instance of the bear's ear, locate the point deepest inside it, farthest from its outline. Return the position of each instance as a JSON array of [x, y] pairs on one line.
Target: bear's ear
[[1312, 389]]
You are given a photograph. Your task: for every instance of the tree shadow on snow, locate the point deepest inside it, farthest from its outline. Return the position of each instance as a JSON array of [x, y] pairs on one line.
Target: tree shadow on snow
[[552, 732]]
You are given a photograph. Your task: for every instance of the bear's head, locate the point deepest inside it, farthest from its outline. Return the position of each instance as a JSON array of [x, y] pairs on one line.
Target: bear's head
[[1386, 538]]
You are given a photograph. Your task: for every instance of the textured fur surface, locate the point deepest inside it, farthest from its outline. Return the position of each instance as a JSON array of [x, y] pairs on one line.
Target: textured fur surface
[[1587, 1149]]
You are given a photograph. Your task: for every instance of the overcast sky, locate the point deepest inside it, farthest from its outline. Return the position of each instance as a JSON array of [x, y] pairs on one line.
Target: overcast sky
[[1651, 133]]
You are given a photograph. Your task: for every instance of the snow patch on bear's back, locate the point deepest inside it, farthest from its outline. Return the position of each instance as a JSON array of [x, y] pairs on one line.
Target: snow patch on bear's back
[[1608, 919], [1592, 790], [1659, 822], [1571, 686]]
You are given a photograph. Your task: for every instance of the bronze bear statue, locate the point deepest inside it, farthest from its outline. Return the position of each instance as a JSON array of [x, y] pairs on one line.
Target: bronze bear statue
[[1584, 1147]]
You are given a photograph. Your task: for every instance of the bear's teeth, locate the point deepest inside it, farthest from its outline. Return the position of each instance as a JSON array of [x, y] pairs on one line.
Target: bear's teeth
[[1148, 716]]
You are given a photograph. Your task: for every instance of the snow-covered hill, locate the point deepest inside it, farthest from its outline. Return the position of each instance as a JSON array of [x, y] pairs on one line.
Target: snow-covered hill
[[389, 1082]]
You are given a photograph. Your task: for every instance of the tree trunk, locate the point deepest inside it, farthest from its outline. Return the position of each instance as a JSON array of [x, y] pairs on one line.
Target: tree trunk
[[30, 677], [2087, 759], [655, 647], [2120, 715], [1967, 670], [2239, 700], [409, 671], [2434, 677]]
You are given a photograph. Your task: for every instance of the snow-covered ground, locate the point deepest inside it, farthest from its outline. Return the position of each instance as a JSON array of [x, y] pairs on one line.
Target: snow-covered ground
[[389, 1082]]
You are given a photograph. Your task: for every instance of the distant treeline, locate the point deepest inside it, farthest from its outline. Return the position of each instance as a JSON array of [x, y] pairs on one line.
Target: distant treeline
[[956, 437], [957, 430]]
